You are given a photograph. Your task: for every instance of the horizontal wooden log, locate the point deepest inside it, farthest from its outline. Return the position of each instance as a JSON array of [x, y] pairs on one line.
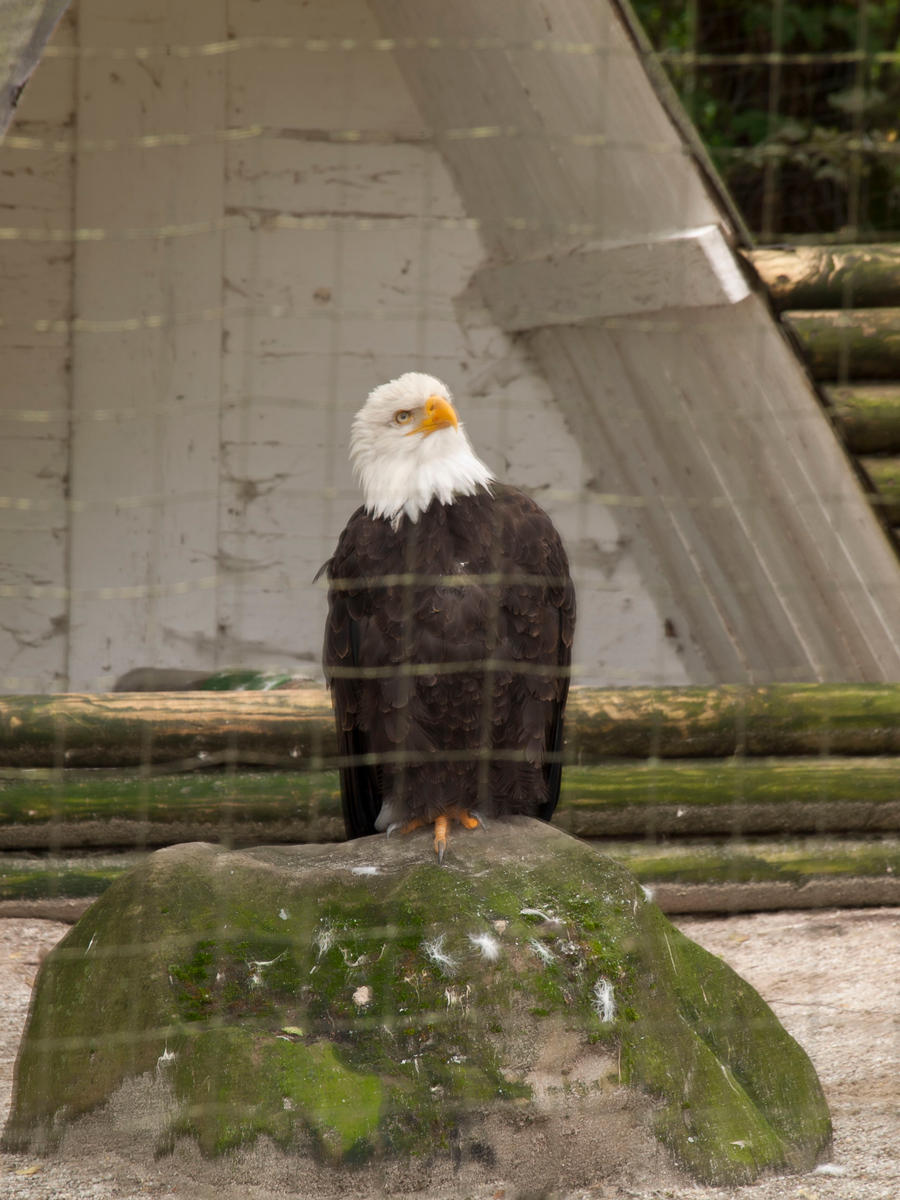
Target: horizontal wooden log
[[794, 860], [665, 869], [61, 877], [849, 891], [698, 722], [840, 346], [108, 807], [884, 472], [122, 729], [829, 276], [731, 796], [868, 417], [706, 797], [295, 728]]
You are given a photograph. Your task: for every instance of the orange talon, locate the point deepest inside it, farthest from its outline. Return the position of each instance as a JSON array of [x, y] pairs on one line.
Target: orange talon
[[467, 820], [441, 833], [417, 823]]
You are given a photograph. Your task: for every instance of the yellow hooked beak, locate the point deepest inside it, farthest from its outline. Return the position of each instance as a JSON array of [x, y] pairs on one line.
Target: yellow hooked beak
[[439, 414]]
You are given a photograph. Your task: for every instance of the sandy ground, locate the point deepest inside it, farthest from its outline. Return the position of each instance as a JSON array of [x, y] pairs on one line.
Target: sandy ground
[[832, 976]]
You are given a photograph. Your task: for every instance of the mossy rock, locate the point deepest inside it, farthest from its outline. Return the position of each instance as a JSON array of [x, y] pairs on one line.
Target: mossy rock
[[357, 1003]]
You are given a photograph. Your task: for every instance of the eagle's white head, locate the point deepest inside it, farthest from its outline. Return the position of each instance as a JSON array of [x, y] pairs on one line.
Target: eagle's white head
[[408, 448]]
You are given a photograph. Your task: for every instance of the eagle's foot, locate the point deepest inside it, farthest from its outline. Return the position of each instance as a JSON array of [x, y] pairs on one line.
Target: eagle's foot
[[467, 819]]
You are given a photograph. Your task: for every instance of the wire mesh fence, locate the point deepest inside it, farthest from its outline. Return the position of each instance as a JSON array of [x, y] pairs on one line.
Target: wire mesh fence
[[670, 321]]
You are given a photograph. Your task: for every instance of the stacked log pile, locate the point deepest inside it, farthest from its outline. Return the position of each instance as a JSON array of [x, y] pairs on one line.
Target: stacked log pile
[[842, 304], [718, 798]]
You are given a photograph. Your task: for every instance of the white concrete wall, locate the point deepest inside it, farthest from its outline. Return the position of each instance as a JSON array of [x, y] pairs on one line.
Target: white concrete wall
[[36, 194], [247, 292]]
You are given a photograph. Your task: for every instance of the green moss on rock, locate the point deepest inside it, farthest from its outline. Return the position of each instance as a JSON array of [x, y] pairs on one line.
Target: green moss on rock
[[258, 1082], [357, 1002]]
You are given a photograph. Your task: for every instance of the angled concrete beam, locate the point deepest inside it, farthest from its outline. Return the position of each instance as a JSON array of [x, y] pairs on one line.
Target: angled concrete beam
[[690, 269], [742, 509], [25, 29]]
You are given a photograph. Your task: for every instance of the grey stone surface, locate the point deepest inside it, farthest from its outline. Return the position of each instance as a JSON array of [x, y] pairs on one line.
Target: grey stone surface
[[523, 1010], [823, 973]]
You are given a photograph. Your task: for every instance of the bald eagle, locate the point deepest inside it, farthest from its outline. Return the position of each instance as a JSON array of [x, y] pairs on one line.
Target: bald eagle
[[449, 634]]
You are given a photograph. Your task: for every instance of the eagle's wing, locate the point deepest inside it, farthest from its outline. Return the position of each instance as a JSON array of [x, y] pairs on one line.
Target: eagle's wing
[[553, 744], [542, 626], [360, 785]]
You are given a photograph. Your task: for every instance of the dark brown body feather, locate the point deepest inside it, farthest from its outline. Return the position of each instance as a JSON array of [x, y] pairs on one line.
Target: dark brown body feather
[[452, 674]]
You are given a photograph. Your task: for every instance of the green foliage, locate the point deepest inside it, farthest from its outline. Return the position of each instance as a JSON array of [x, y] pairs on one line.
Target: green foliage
[[807, 144], [243, 679]]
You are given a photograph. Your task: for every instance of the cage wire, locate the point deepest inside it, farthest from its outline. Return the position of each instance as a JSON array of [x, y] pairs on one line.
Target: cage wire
[[196, 299]]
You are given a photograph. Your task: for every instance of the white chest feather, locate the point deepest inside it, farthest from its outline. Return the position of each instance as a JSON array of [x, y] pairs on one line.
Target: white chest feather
[[403, 478]]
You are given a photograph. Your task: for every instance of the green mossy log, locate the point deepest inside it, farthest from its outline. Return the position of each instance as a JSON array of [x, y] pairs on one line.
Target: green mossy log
[[107, 807], [868, 417], [359, 1004], [884, 474], [791, 860], [731, 796], [840, 346], [130, 729], [62, 877], [852, 276], [295, 728], [101, 807]]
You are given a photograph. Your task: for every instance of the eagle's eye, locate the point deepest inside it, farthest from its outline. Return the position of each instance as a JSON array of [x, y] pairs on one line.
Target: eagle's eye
[[403, 417]]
